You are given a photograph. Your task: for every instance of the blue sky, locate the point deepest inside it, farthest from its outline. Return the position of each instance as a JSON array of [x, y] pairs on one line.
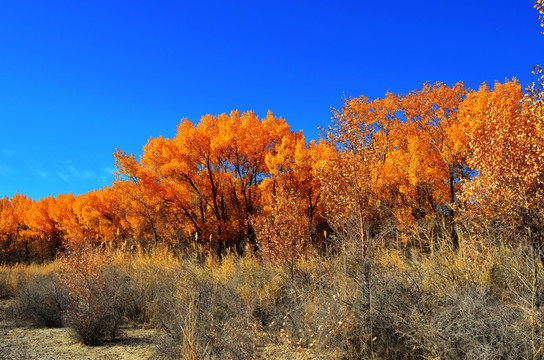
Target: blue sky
[[81, 78]]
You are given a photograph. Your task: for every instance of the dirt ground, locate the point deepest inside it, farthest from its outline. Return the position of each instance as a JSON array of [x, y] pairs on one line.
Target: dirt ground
[[20, 342], [30, 342]]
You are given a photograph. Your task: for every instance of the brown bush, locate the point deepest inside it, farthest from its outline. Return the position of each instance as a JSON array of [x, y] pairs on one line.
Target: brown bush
[[95, 310]]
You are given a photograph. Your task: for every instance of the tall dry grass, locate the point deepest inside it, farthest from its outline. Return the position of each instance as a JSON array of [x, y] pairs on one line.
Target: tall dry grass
[[482, 301], [14, 277]]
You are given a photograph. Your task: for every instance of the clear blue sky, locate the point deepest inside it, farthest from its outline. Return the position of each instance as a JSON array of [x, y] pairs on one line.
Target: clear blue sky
[[80, 78]]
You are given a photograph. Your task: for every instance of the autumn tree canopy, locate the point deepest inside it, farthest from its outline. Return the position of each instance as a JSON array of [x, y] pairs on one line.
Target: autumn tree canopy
[[206, 183], [507, 152], [236, 182]]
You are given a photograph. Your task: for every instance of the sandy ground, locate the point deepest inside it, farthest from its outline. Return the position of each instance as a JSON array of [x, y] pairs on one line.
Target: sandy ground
[[19, 342], [28, 342]]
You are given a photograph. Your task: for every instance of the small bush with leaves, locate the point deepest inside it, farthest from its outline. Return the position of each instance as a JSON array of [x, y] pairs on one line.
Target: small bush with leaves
[[95, 308], [41, 301]]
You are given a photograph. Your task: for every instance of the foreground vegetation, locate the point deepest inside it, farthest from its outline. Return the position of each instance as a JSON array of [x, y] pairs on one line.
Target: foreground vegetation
[[482, 301]]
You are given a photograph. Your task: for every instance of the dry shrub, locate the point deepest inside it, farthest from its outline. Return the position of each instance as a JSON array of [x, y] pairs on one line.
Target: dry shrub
[[395, 317], [261, 287], [95, 308], [41, 301], [466, 325], [479, 302], [482, 301], [304, 322]]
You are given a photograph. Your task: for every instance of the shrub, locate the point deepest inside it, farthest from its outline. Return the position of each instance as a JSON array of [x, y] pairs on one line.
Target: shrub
[[444, 305], [466, 325], [14, 277], [41, 301], [95, 308]]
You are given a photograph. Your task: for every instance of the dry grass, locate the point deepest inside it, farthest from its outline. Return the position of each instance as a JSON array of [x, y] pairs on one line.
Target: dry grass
[[482, 301], [14, 277]]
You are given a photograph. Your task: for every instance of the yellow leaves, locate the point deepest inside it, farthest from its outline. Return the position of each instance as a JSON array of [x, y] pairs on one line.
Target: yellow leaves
[[403, 156], [399, 152], [206, 179], [539, 6], [506, 153]]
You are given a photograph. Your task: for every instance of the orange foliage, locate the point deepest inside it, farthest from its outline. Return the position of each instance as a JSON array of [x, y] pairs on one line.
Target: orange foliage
[[507, 151], [539, 6], [292, 209], [401, 156], [204, 183], [235, 180]]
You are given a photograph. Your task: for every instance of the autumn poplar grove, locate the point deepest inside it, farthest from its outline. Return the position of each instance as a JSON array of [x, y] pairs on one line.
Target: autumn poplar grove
[[234, 182]]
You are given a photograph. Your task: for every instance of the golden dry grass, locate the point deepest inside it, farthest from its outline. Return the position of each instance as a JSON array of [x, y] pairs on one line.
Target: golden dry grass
[[401, 301]]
